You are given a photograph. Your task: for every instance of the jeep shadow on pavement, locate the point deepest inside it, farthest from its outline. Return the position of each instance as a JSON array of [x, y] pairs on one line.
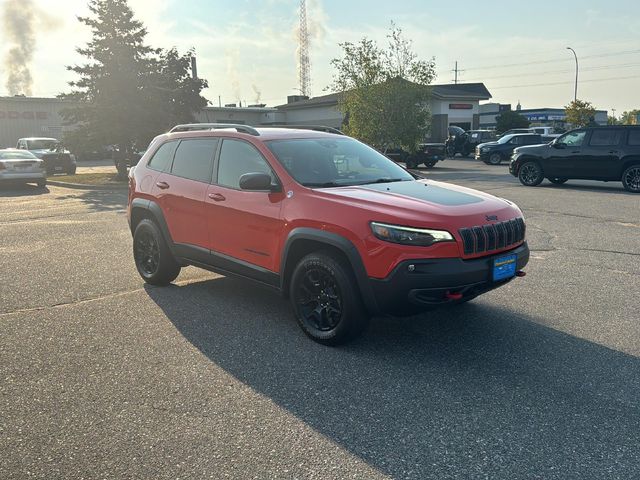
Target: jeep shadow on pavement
[[338, 228]]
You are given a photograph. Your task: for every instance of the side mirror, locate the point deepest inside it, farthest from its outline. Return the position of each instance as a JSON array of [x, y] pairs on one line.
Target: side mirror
[[257, 181], [559, 145]]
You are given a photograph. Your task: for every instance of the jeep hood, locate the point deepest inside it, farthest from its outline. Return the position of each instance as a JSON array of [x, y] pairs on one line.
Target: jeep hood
[[423, 202]]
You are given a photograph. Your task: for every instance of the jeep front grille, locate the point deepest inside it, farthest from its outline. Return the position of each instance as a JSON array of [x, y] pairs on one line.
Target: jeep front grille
[[492, 237]]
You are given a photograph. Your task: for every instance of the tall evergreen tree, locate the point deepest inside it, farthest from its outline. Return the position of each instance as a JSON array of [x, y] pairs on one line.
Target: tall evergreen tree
[[128, 91]]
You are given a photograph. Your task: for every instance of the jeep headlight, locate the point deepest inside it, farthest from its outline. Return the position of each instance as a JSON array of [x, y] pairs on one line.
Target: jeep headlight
[[419, 237]]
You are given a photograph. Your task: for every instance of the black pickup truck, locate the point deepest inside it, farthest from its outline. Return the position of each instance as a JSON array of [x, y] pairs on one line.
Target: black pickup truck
[[610, 154], [428, 154]]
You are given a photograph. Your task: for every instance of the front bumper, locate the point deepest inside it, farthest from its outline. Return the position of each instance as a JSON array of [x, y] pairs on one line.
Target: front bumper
[[434, 282]]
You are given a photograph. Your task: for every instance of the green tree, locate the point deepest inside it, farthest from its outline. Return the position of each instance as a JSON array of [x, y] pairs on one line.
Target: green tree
[[510, 119], [172, 93], [127, 92], [611, 120], [580, 113], [630, 117], [384, 92]]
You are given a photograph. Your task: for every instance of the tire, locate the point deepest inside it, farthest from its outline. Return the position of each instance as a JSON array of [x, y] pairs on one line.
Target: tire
[[72, 171], [41, 183], [430, 163], [558, 180], [631, 179], [451, 151], [326, 301], [411, 164], [530, 174], [154, 261], [495, 159]]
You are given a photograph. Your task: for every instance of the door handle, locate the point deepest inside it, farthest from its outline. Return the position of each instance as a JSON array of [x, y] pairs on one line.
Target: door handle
[[217, 197], [162, 185], [613, 151]]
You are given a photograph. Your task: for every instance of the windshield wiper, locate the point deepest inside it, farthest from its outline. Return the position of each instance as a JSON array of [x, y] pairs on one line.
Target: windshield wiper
[[322, 185], [384, 180]]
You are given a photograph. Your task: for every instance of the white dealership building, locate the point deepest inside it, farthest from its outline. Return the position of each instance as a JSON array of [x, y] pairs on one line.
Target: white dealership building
[[454, 104]]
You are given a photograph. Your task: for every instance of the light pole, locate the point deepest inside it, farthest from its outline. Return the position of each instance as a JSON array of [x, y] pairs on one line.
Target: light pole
[[575, 93]]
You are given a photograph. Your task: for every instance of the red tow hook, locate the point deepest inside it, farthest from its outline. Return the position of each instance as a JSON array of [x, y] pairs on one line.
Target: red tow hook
[[453, 296], [520, 273]]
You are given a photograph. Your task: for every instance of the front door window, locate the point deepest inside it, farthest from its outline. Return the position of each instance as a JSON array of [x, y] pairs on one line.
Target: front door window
[[573, 139]]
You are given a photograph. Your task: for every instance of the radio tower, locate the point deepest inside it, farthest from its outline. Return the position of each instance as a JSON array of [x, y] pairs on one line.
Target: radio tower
[[304, 74]]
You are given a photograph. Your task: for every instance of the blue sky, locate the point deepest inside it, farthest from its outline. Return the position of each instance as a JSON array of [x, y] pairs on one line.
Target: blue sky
[[247, 49]]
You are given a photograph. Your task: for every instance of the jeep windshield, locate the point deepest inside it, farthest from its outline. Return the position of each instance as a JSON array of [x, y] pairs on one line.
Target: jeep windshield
[[339, 162], [41, 144]]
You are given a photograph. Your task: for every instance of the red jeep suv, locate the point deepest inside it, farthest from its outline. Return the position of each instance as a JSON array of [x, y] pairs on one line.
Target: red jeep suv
[[331, 223]]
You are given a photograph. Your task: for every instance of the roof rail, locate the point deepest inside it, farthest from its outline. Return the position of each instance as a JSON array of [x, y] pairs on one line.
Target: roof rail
[[194, 127], [317, 128]]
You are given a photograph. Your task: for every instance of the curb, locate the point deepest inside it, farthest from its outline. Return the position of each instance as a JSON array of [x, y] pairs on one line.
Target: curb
[[81, 186]]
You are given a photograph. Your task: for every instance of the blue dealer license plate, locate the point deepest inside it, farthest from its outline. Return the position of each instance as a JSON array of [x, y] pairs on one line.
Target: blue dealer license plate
[[504, 267]]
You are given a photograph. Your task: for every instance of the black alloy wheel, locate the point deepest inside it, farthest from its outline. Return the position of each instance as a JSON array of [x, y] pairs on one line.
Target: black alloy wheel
[[558, 180], [154, 261], [325, 300], [147, 253], [495, 159], [530, 174], [319, 299], [631, 179]]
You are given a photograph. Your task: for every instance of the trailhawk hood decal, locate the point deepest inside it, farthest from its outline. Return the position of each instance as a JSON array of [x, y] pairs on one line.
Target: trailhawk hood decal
[[428, 192]]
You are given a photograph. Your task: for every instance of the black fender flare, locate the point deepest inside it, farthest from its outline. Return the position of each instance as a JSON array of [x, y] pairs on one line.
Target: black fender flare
[[154, 209], [345, 246]]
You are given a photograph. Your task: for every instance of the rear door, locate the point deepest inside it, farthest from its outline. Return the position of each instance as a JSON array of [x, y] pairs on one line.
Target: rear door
[[244, 225], [602, 154], [182, 189]]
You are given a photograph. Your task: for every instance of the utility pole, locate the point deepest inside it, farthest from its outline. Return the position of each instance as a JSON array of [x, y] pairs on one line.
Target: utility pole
[[575, 92], [304, 66], [456, 71]]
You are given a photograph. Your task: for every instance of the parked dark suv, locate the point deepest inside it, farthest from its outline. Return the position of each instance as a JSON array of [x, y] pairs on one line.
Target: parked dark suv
[[495, 153], [331, 223], [610, 153]]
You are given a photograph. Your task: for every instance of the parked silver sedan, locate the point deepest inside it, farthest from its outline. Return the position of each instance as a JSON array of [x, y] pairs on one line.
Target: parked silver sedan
[[21, 166]]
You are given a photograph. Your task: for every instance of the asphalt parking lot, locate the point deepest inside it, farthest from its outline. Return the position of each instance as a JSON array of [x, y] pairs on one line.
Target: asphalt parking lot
[[104, 377]]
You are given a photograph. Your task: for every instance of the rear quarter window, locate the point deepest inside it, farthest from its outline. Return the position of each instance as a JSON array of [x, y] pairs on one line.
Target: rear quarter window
[[163, 157], [634, 137]]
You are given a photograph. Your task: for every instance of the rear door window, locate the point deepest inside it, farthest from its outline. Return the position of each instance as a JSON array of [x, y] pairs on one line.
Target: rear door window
[[194, 159], [605, 137]]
